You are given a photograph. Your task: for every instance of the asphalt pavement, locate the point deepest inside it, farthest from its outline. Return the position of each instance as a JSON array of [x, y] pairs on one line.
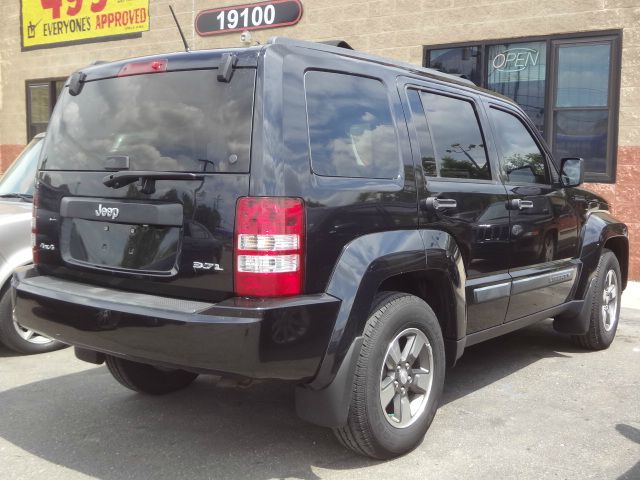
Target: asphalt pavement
[[529, 405]]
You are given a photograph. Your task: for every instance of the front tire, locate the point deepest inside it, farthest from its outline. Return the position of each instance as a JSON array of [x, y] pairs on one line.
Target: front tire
[[605, 306], [144, 378], [398, 380], [17, 338], [548, 248]]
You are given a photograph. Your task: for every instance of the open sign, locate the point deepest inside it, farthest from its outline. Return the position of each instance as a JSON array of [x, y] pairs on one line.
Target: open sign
[[515, 59]]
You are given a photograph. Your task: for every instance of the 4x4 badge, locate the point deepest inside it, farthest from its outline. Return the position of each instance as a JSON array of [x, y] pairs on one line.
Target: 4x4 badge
[[107, 212]]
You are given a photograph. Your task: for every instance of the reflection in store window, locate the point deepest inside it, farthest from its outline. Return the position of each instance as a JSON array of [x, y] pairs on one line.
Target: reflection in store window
[[461, 61], [518, 70], [582, 133], [583, 75]]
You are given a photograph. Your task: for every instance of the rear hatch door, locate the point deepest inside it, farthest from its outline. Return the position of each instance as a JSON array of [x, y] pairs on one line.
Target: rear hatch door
[[140, 174]]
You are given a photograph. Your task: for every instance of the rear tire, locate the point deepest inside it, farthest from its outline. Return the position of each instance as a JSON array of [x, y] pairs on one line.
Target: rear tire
[[144, 378], [605, 306], [17, 338], [392, 404]]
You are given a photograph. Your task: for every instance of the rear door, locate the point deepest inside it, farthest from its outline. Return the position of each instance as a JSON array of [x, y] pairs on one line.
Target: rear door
[[461, 194], [543, 224], [181, 139]]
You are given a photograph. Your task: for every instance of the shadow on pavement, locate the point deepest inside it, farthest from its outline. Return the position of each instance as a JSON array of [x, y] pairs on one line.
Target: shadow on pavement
[[632, 434], [490, 361], [88, 423]]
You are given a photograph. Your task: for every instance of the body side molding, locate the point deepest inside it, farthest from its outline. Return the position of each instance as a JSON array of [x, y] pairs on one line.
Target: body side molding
[[544, 280], [492, 292]]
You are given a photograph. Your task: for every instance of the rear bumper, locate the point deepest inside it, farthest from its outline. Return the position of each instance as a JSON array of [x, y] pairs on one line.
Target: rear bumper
[[282, 338]]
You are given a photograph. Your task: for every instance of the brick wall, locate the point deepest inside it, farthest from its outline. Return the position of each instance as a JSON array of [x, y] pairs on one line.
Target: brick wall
[[8, 154], [394, 28], [624, 196]]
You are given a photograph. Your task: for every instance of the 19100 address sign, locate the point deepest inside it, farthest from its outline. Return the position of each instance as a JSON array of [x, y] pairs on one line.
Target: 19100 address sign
[[276, 13]]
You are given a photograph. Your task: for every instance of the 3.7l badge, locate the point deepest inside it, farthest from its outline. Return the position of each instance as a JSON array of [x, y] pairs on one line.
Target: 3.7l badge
[[207, 266]]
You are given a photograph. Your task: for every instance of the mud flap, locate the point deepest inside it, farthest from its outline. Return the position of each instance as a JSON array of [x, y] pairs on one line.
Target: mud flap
[[329, 407], [575, 320]]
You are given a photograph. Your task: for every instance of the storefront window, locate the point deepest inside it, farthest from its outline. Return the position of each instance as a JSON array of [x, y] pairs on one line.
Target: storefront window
[[463, 62], [583, 75], [582, 134], [581, 110], [568, 85], [39, 106], [41, 97], [518, 71]]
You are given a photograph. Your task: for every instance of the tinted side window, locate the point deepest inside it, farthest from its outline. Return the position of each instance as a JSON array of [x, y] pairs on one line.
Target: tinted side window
[[351, 132], [458, 142], [522, 161]]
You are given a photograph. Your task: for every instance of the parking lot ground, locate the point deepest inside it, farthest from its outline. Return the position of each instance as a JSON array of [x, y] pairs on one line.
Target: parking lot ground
[[525, 406]]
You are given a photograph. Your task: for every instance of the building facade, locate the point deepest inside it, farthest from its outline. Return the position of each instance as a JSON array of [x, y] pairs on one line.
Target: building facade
[[573, 65]]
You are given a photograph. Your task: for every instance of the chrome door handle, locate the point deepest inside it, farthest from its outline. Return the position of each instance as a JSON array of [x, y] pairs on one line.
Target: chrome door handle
[[519, 204], [435, 203]]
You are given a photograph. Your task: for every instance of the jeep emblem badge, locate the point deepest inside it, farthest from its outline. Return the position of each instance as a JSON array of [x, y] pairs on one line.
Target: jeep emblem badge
[[107, 212]]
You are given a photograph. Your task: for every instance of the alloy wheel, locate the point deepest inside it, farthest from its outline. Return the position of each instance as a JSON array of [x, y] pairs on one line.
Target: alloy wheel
[[406, 377], [610, 300]]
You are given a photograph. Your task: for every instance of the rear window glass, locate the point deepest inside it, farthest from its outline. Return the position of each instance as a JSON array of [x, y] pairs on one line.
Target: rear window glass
[[173, 121], [351, 131]]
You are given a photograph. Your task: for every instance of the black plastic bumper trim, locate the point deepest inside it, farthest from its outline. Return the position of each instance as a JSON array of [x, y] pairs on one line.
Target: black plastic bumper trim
[[279, 338]]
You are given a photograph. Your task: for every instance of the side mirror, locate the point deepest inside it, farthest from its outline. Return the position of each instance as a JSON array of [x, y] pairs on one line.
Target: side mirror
[[572, 171]]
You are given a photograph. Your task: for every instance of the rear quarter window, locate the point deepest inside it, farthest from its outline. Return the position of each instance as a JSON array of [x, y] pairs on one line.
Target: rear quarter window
[[351, 130]]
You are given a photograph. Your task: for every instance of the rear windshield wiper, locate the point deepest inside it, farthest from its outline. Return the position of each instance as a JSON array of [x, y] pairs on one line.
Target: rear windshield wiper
[[147, 179], [25, 197]]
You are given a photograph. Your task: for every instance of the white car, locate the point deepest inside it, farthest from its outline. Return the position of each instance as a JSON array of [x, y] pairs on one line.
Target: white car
[[16, 196]]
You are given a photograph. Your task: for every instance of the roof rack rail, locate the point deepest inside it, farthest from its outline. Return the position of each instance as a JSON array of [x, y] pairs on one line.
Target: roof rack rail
[[331, 45]]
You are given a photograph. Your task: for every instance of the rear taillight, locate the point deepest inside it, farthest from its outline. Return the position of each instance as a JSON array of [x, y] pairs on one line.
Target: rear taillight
[[269, 246], [34, 228]]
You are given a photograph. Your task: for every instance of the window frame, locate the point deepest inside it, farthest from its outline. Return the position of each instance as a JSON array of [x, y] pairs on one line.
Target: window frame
[[50, 82], [481, 120], [613, 36]]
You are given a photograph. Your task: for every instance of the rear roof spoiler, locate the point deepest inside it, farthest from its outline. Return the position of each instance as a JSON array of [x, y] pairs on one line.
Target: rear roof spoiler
[[337, 43]]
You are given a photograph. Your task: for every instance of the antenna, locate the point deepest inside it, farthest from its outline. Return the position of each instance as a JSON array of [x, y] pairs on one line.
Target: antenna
[[184, 40]]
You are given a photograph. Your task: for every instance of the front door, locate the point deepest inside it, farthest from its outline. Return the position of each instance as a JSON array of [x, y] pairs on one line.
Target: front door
[[460, 193], [543, 224]]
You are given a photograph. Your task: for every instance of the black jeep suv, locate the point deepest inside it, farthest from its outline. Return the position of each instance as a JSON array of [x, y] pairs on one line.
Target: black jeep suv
[[303, 212]]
